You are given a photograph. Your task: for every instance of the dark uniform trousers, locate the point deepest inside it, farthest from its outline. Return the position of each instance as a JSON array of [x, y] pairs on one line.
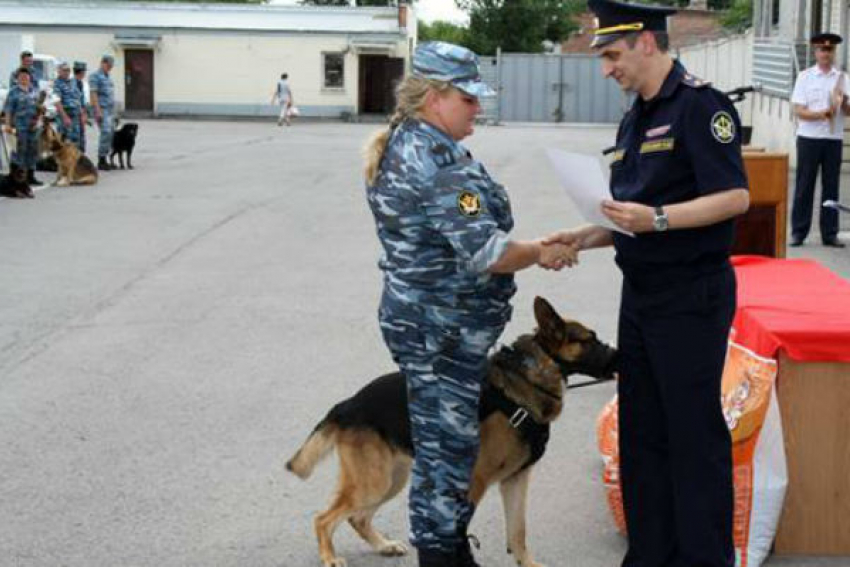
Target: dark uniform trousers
[[815, 154], [675, 447]]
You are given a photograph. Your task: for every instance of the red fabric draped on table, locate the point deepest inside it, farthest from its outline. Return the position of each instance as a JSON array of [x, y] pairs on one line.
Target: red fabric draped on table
[[795, 305]]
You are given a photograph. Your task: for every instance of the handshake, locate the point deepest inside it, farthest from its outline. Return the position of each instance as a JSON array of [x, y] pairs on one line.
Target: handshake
[[555, 252]]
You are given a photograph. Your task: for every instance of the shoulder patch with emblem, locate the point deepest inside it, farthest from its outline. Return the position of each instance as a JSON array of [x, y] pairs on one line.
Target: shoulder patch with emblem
[[723, 127], [694, 82], [442, 155], [469, 203]]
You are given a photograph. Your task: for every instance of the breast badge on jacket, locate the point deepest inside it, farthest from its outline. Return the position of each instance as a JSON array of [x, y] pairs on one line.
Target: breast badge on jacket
[[469, 203]]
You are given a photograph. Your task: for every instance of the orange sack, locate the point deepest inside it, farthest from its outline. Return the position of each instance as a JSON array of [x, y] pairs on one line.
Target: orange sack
[[748, 395]]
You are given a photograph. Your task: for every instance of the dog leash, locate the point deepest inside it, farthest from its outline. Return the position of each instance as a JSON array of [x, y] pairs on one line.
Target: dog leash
[[592, 382]]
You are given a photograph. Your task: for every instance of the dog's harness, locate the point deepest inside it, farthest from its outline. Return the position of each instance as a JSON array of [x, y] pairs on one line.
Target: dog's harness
[[536, 435]]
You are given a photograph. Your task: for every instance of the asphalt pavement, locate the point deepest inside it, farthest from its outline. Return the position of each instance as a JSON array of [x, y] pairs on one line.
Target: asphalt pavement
[[170, 336]]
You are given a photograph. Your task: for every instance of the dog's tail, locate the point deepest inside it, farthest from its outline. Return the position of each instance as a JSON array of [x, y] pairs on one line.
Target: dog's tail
[[317, 446]]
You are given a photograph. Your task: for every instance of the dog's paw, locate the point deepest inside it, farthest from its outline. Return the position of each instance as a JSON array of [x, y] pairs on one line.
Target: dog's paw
[[393, 548], [334, 562], [530, 563]]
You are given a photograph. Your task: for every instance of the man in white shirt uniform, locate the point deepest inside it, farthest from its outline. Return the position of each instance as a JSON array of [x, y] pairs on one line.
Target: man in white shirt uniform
[[820, 102]]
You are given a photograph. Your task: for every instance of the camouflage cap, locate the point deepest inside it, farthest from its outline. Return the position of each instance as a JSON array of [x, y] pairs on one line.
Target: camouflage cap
[[79, 66], [62, 64], [453, 63], [107, 59]]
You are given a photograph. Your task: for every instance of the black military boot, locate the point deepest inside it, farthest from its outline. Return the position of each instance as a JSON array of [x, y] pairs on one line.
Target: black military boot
[[103, 165], [436, 558], [32, 180], [463, 552]]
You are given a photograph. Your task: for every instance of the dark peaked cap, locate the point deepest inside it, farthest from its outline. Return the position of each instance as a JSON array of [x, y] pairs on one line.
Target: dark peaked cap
[[825, 39], [615, 19]]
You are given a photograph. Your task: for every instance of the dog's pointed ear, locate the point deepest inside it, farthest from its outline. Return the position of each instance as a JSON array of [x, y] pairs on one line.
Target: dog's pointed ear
[[551, 329]]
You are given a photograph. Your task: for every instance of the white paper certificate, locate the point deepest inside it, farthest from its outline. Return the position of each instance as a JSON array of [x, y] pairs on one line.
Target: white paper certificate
[[582, 179]]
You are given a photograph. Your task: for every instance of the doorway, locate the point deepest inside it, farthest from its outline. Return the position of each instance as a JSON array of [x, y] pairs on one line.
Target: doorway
[[138, 80], [379, 74]]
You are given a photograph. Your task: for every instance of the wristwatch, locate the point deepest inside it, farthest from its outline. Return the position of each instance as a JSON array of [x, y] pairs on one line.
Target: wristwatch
[[660, 223]]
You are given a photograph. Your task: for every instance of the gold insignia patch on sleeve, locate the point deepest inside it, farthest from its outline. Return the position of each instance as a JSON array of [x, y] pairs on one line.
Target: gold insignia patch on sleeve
[[660, 145], [469, 203], [723, 127]]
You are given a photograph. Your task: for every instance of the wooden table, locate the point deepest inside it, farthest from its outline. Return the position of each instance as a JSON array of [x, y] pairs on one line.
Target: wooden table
[[798, 313], [814, 401]]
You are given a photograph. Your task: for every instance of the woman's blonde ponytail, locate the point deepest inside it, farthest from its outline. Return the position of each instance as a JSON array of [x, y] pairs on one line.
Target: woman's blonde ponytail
[[410, 97]]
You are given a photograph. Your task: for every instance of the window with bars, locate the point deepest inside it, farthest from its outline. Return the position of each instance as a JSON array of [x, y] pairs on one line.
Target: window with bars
[[333, 71]]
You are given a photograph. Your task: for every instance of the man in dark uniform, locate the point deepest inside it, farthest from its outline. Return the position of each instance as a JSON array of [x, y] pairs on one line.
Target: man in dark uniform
[[677, 181]]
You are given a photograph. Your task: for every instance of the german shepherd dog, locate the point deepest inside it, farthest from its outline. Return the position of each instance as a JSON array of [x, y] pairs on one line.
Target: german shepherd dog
[[73, 167], [123, 142], [523, 395]]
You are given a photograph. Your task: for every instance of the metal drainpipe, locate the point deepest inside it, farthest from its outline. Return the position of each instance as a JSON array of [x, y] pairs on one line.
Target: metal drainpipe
[[499, 88], [559, 114]]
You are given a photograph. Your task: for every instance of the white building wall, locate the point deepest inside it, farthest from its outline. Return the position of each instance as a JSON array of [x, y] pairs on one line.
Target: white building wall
[[81, 45], [726, 63], [774, 127], [226, 73], [195, 73]]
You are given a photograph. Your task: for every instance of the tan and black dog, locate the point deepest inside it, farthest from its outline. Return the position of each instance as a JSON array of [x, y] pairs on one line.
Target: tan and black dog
[[74, 167], [523, 395]]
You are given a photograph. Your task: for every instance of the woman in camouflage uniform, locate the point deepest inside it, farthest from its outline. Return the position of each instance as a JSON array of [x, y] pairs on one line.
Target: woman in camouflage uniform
[[21, 110], [448, 268]]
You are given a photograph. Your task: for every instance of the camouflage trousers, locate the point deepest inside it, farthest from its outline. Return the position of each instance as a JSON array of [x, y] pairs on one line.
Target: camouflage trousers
[[26, 149], [72, 132], [107, 130], [445, 368]]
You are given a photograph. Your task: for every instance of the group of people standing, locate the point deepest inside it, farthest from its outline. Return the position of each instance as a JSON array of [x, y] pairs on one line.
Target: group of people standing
[[24, 108], [677, 183]]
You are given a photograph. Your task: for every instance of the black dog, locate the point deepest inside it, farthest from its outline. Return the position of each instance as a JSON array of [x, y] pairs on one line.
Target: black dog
[[15, 184], [123, 142]]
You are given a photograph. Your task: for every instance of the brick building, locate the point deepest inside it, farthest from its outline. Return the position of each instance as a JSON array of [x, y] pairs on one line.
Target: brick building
[[686, 27]]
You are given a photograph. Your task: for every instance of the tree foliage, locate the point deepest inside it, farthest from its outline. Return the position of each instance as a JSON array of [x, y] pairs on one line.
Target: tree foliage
[[348, 2], [209, 1], [518, 25], [442, 31], [739, 16], [712, 4]]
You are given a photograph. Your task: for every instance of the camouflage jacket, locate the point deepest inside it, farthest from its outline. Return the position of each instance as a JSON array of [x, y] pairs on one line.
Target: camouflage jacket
[[101, 84], [22, 108], [442, 222], [69, 95]]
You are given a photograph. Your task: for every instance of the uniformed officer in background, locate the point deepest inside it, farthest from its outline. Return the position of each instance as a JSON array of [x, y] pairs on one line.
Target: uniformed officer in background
[[21, 116], [677, 181], [68, 109], [79, 78], [820, 103], [448, 266], [27, 62], [103, 105]]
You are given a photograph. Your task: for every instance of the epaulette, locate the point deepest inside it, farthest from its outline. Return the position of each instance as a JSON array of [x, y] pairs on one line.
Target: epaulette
[[442, 155], [694, 82]]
